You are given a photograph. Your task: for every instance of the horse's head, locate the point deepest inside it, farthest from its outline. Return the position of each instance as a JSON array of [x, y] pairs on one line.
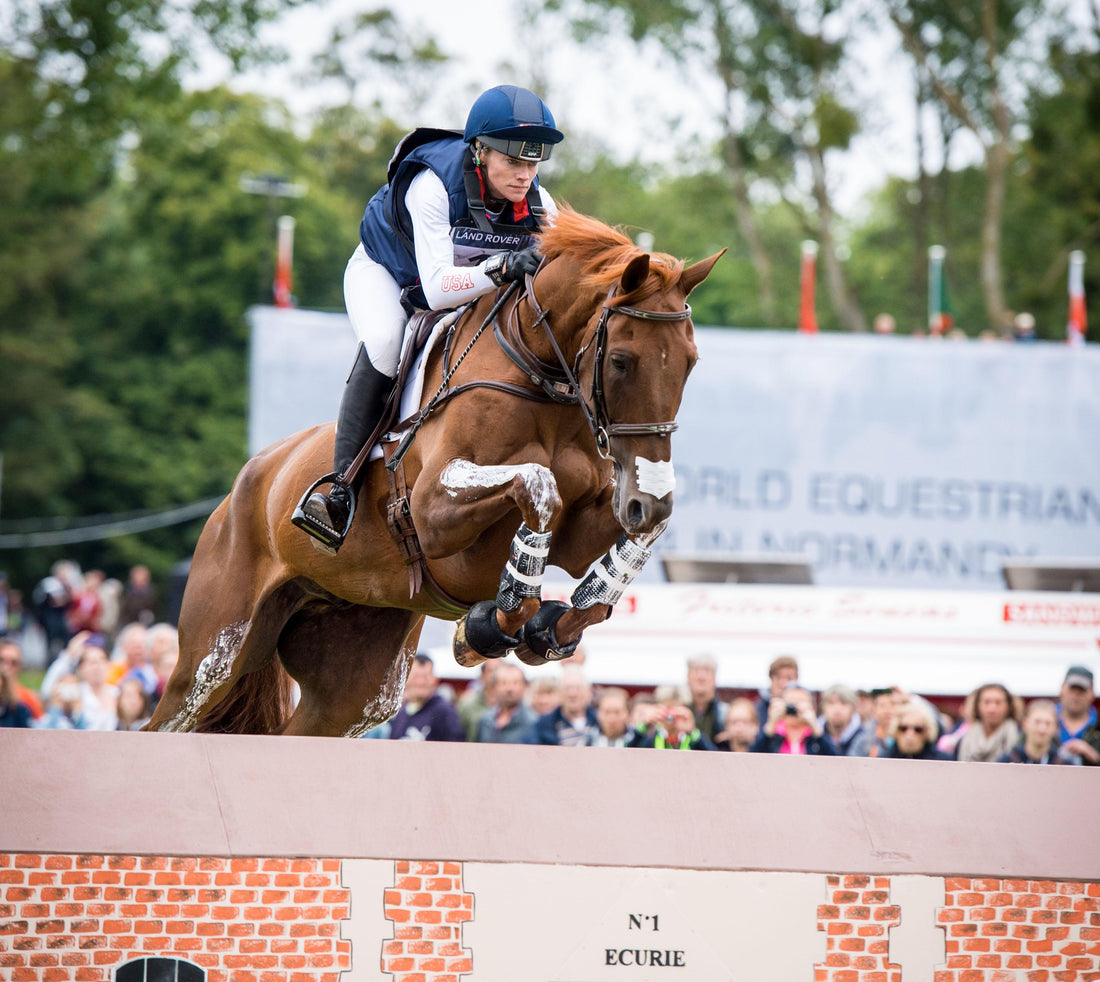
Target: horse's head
[[632, 360]]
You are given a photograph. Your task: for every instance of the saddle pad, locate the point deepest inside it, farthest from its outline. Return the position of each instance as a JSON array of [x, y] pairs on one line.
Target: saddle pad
[[414, 386]]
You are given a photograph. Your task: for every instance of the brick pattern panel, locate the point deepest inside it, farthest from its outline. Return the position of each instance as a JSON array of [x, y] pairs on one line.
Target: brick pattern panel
[[857, 921], [75, 918], [428, 908], [1020, 931]]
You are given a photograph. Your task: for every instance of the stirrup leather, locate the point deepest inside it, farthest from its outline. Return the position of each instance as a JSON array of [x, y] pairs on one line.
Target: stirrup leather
[[324, 533]]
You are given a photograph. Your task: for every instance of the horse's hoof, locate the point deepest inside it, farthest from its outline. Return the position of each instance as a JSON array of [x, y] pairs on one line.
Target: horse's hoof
[[463, 652], [528, 657], [478, 636], [538, 633]]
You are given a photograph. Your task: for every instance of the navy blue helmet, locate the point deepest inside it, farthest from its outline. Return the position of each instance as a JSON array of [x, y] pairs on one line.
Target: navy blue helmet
[[514, 121]]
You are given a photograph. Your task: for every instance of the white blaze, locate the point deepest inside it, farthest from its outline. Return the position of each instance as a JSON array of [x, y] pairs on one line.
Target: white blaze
[[655, 477]]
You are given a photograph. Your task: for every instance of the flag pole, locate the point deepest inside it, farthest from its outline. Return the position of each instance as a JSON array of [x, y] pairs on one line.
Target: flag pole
[[1076, 325], [807, 316], [936, 256], [284, 257]]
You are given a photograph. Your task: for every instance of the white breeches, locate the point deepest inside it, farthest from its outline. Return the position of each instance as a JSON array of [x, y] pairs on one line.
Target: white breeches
[[373, 301]]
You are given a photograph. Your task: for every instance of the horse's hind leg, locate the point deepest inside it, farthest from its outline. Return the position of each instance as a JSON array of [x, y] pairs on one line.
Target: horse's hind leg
[[230, 637], [350, 664]]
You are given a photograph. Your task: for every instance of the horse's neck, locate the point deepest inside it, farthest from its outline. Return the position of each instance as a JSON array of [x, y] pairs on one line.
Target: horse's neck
[[559, 311]]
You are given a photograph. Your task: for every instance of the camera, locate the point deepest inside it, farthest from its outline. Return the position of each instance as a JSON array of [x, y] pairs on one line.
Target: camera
[[792, 709]]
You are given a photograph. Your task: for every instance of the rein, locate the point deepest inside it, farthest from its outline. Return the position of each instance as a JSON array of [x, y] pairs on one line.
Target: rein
[[549, 377]]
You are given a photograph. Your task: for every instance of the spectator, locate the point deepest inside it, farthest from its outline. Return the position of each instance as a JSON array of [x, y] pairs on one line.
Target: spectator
[[884, 325], [162, 651], [884, 703], [781, 673], [66, 663], [864, 705], [949, 741], [1089, 741], [914, 729], [792, 726], [574, 722], [544, 694], [996, 728], [613, 719], [641, 711], [86, 610], [1077, 714], [98, 697], [509, 719], [843, 729], [64, 710], [5, 603], [129, 653], [708, 710], [110, 596], [425, 715], [479, 696], [11, 664], [140, 601], [1040, 740], [13, 713], [134, 707], [742, 726], [672, 724], [52, 598], [1023, 327]]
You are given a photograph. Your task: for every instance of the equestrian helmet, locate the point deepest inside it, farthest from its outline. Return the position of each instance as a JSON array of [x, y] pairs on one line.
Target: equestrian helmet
[[514, 121]]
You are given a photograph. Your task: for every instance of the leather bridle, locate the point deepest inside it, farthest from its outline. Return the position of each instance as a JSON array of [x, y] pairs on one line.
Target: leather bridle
[[559, 381]]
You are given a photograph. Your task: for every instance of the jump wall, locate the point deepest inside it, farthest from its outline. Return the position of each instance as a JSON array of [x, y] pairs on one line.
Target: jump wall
[[265, 859]]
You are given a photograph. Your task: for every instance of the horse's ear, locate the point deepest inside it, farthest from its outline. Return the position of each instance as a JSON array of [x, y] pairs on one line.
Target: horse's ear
[[635, 274], [695, 274]]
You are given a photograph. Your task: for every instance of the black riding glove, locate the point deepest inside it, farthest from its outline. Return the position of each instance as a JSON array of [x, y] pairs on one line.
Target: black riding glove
[[508, 267]]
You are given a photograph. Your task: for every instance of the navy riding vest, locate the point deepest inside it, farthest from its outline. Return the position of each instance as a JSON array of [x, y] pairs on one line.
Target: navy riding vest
[[386, 230]]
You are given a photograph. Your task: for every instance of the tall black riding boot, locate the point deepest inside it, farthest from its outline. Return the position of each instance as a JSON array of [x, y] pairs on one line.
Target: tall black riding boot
[[327, 517]]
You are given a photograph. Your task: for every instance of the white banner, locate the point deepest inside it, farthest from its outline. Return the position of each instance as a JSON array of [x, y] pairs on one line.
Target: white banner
[[887, 461]]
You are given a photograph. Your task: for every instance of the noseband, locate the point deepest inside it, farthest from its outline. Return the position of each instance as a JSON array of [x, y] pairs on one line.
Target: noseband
[[559, 381]]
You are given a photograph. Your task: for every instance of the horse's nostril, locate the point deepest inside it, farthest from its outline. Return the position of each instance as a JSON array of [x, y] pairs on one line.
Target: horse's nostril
[[635, 512]]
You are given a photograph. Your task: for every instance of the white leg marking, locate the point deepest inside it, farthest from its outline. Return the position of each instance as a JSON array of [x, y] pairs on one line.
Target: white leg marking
[[213, 671], [384, 706], [460, 475]]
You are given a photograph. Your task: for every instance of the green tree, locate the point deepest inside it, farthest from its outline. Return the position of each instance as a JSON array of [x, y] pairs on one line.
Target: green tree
[[981, 58], [774, 70], [78, 81]]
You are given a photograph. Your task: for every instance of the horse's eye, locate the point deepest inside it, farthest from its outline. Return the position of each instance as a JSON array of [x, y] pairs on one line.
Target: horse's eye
[[620, 363]]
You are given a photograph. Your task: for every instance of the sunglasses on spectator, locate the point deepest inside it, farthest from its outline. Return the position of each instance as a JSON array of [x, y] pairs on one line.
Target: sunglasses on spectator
[[906, 729], [9, 661]]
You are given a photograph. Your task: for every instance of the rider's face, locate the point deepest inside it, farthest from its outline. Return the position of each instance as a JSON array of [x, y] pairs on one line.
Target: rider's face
[[507, 177]]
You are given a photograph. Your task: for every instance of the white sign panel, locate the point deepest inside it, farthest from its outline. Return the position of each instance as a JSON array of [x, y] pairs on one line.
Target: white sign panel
[[892, 462]]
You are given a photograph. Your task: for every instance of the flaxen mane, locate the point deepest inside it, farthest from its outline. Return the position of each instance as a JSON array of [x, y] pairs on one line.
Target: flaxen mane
[[603, 253]]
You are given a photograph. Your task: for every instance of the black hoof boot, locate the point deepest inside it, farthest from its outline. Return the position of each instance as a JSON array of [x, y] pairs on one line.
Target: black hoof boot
[[327, 517], [538, 633], [479, 637]]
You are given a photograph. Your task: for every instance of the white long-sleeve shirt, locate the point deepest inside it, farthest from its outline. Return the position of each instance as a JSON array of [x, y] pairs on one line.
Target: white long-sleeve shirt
[[446, 280]]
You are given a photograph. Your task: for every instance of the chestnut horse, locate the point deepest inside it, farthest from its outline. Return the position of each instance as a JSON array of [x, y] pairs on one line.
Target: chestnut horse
[[498, 485]]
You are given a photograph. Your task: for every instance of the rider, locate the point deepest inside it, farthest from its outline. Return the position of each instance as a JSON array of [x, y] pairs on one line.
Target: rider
[[454, 222]]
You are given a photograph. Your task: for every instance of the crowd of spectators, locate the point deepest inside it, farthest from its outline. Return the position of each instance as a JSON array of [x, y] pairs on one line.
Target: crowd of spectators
[[567, 710], [109, 660]]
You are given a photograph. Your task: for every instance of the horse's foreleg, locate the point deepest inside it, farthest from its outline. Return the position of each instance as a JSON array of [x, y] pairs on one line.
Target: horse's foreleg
[[555, 631], [479, 496], [492, 627]]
